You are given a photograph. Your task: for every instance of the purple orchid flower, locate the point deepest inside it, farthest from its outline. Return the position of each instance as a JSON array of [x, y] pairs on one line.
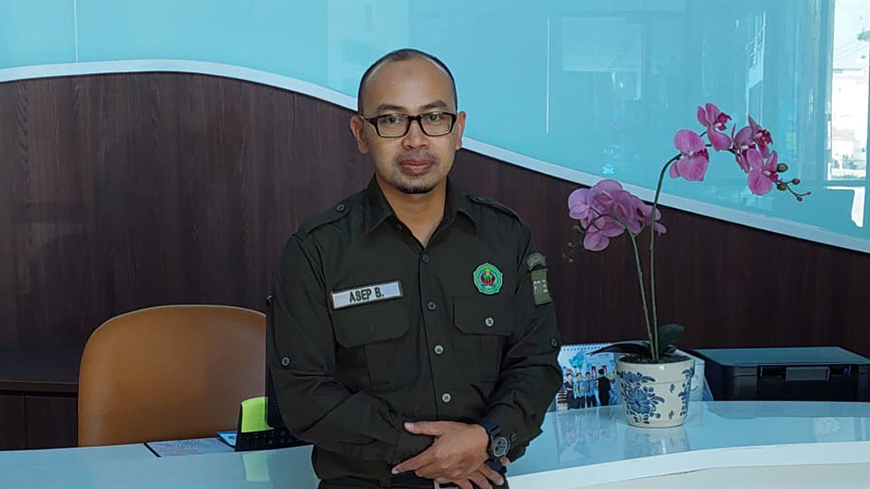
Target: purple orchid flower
[[606, 192], [763, 174], [644, 212], [580, 205], [694, 158], [605, 211], [625, 208], [742, 143], [714, 120], [600, 231], [761, 137]]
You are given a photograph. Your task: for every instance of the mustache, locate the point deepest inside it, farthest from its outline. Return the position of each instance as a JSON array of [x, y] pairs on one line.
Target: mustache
[[418, 155]]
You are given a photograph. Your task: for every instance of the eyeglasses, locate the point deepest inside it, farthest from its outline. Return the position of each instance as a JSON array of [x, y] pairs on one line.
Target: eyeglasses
[[397, 125]]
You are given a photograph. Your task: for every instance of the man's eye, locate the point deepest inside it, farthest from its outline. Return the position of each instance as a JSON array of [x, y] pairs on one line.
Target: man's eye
[[435, 116]]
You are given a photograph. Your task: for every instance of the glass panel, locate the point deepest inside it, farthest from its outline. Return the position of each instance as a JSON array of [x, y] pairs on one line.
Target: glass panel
[[849, 91], [602, 86]]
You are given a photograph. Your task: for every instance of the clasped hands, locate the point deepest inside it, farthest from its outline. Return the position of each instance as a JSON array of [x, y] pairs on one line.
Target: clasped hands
[[458, 455]]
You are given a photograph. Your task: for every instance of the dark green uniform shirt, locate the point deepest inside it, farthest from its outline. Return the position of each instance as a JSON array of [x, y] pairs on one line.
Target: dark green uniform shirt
[[369, 329]]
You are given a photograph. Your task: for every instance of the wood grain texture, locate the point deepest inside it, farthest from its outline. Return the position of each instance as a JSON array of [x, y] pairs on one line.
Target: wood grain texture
[[13, 435], [51, 421], [125, 191]]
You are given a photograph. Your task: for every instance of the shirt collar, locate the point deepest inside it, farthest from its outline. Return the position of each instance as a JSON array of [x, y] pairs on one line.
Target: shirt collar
[[377, 209]]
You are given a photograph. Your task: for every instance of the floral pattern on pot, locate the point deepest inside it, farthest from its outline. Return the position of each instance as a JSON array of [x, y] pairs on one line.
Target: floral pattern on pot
[[687, 386], [640, 401]]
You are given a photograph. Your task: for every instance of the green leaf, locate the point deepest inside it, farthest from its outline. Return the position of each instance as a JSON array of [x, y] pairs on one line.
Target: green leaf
[[669, 334]]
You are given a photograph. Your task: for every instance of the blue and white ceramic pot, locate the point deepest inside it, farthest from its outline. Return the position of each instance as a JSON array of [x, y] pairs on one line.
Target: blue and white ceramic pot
[[655, 395]]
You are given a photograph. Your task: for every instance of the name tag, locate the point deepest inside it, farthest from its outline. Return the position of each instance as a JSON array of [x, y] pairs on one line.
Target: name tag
[[364, 295]]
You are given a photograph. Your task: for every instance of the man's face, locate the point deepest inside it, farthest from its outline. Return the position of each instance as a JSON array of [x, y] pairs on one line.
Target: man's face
[[414, 163]]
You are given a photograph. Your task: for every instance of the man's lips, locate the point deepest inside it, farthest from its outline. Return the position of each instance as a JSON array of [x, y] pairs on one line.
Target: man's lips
[[416, 166]]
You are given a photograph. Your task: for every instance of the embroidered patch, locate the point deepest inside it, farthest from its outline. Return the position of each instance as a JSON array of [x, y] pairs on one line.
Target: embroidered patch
[[537, 266], [366, 294], [488, 279], [540, 289]]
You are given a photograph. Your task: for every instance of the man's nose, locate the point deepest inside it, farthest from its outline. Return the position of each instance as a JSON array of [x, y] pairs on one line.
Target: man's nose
[[415, 137]]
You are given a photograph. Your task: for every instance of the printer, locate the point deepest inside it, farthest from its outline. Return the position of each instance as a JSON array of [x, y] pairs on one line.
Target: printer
[[782, 374]]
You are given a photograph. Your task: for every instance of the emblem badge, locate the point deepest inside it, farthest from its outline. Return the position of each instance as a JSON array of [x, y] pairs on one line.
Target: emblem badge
[[488, 279]]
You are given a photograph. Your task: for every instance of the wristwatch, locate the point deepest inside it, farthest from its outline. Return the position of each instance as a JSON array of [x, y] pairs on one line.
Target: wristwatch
[[499, 445]]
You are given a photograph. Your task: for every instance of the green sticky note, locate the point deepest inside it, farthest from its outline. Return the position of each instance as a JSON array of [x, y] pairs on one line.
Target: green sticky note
[[254, 415]]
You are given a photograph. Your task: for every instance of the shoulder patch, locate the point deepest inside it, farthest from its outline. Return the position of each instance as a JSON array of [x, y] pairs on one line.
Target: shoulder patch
[[536, 261], [479, 199], [332, 214]]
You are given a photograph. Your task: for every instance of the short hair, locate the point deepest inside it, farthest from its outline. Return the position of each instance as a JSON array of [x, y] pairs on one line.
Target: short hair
[[403, 55]]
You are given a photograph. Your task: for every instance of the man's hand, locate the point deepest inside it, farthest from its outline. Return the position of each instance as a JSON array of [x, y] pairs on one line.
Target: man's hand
[[484, 478], [458, 452]]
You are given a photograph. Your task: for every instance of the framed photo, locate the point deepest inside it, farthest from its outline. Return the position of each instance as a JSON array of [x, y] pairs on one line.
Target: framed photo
[[588, 380]]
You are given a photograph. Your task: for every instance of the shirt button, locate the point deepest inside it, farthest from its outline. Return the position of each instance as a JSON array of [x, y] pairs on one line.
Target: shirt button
[[431, 305], [426, 258], [285, 361], [554, 343], [439, 349], [340, 207], [446, 397], [399, 227], [489, 322]]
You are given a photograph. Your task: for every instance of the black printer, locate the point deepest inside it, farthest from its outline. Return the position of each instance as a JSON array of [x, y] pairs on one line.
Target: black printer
[[782, 374]]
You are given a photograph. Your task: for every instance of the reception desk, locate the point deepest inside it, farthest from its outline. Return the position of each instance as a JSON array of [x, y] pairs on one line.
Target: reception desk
[[723, 444]]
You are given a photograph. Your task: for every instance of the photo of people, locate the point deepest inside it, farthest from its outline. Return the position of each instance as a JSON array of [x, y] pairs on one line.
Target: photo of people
[[587, 380]]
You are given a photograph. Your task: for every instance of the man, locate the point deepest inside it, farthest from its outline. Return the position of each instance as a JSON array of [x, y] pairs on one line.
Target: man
[[408, 342], [603, 388], [580, 391], [570, 394], [591, 390]]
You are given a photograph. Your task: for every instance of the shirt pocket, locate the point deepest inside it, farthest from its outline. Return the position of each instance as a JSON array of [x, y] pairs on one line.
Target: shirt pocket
[[369, 337], [482, 327]]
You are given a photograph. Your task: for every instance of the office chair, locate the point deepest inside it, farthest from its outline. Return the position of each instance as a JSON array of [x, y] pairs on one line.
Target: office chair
[[169, 372]]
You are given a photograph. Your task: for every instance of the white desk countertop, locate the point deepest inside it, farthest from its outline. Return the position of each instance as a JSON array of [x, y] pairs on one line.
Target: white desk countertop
[[722, 444]]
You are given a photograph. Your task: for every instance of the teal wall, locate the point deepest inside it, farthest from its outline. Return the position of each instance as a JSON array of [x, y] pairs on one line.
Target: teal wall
[[595, 88]]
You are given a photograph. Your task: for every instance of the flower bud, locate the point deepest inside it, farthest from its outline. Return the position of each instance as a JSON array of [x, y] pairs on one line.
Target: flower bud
[[781, 186], [795, 181], [782, 167]]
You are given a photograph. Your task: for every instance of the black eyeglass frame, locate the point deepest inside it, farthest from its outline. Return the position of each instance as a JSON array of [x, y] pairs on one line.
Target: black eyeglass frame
[[411, 118]]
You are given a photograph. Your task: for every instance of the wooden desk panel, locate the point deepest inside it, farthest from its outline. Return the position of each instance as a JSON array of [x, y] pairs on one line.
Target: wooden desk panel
[[38, 397], [12, 431], [45, 369]]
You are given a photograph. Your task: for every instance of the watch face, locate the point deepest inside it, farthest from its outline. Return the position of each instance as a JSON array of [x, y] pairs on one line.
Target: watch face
[[500, 447]]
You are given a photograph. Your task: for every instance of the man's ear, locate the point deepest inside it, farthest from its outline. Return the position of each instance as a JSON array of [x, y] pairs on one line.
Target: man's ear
[[357, 126], [459, 127]]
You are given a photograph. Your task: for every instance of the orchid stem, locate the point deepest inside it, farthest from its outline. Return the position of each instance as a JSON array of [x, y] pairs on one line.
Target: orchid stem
[[654, 332], [642, 291]]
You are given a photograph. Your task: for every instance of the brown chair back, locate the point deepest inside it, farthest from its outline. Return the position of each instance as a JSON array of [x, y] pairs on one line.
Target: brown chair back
[[169, 372]]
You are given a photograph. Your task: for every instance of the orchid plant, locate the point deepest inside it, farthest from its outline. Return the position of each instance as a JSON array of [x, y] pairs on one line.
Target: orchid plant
[[606, 210]]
